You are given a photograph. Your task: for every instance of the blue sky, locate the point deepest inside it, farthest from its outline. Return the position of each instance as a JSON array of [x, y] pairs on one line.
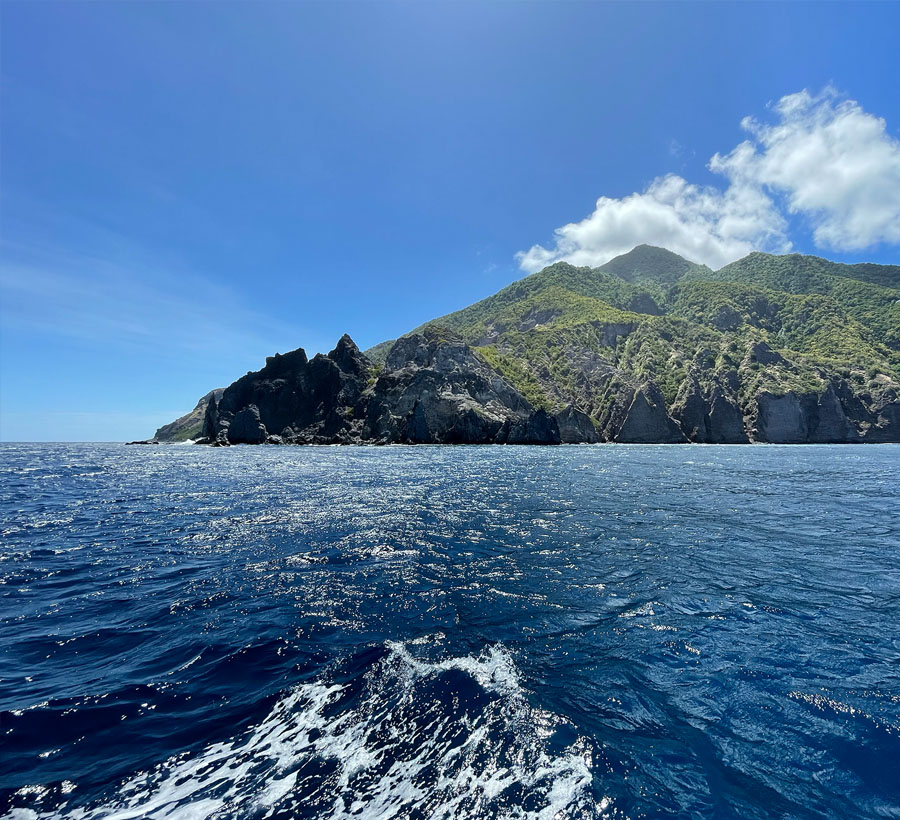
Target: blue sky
[[189, 187]]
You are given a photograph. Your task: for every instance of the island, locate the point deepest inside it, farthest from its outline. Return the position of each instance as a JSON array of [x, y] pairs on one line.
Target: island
[[648, 348]]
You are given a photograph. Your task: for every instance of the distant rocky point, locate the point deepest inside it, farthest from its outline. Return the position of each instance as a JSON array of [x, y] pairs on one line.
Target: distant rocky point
[[649, 348], [190, 425]]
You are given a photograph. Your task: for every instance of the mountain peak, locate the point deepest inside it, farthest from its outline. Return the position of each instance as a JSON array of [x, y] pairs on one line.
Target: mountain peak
[[649, 263]]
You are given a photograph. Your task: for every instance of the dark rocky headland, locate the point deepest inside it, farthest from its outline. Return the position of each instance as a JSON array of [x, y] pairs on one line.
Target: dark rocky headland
[[649, 348]]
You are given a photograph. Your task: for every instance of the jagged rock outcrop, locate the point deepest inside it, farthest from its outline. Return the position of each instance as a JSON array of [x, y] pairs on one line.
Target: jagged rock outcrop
[[576, 427], [298, 400], [436, 389], [709, 416], [246, 427], [884, 424], [433, 389], [639, 416], [210, 426]]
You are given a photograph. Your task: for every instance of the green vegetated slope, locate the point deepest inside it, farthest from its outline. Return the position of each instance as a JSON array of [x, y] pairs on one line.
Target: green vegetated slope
[[578, 335], [868, 293]]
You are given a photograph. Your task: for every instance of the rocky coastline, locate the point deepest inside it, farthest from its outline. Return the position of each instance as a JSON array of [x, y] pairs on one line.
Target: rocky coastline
[[435, 389]]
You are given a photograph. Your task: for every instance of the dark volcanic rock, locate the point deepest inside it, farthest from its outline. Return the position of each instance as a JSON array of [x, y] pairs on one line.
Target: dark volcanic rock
[[433, 389], [539, 428], [576, 427], [829, 423], [805, 418], [210, 427], [436, 389], [709, 416], [725, 424], [246, 427], [691, 410], [883, 422], [349, 359], [781, 419], [294, 399], [640, 417], [887, 425]]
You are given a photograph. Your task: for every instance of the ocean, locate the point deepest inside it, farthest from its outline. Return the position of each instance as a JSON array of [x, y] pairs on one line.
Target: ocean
[[449, 632]]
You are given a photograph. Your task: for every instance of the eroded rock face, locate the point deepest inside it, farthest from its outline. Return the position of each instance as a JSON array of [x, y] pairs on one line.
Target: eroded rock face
[[294, 398], [576, 427], [886, 423], [828, 423], [725, 424], [871, 419], [433, 389], [640, 417], [436, 389], [691, 410], [781, 419], [538, 428], [806, 418], [246, 427], [709, 416]]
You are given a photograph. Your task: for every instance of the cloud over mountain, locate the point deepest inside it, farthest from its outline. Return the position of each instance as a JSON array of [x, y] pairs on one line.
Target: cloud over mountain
[[824, 159]]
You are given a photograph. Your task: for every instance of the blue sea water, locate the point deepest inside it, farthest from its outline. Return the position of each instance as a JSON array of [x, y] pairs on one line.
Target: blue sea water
[[449, 632]]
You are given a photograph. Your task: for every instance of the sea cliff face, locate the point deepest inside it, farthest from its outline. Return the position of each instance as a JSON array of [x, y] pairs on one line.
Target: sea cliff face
[[649, 348]]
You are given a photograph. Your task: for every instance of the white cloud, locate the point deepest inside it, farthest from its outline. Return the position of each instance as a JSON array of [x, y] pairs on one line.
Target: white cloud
[[826, 159], [700, 223], [835, 164]]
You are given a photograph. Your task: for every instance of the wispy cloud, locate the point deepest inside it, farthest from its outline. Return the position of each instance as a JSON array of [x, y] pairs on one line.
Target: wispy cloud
[[825, 159], [140, 304]]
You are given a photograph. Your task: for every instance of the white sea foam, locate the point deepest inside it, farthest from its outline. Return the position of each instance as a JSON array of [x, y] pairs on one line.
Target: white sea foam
[[390, 750]]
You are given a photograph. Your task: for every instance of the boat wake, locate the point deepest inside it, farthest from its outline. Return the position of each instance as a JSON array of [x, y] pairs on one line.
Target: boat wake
[[402, 737]]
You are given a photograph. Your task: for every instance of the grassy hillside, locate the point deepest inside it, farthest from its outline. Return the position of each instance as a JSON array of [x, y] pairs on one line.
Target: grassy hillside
[[190, 425]]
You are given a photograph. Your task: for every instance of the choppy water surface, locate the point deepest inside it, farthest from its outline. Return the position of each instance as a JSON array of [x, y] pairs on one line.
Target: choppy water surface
[[436, 632]]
